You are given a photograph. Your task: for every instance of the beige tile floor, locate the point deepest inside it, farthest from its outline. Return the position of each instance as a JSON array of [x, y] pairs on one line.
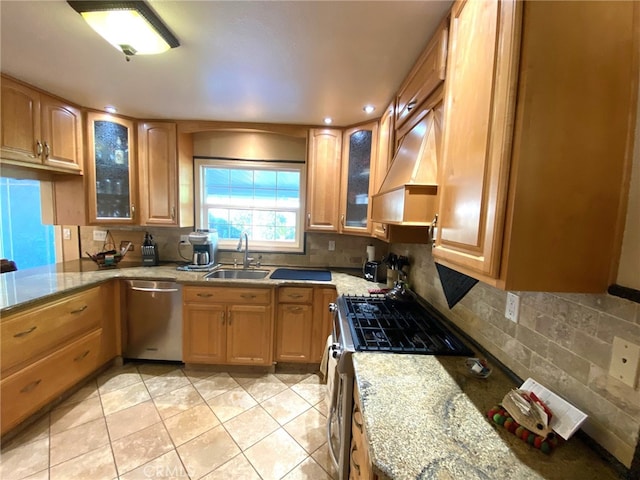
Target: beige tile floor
[[159, 421]]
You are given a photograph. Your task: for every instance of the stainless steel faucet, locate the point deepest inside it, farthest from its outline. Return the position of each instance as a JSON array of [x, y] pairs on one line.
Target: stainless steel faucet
[[246, 261]]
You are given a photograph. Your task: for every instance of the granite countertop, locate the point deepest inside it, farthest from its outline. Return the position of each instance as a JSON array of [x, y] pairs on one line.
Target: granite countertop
[[425, 417], [23, 288]]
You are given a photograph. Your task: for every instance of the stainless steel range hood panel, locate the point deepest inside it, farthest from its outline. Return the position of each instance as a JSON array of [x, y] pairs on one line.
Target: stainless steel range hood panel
[[408, 195]]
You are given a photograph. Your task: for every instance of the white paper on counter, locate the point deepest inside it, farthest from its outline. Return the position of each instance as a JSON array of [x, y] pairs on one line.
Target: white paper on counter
[[566, 419]]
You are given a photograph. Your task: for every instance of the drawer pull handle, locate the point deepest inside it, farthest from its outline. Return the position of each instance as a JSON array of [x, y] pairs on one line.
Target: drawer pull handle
[[81, 356], [29, 387], [247, 295], [411, 105], [222, 317], [25, 333], [295, 295], [80, 310], [229, 319], [295, 309], [205, 295]]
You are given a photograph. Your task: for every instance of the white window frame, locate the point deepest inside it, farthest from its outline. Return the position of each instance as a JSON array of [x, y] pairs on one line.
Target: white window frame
[[201, 206]]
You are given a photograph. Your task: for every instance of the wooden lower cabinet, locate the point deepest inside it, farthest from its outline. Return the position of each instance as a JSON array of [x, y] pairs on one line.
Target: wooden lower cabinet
[[303, 323], [51, 347], [360, 463], [227, 325], [33, 387]]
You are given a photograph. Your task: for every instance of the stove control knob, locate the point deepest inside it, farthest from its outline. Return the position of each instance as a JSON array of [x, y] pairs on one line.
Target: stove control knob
[[333, 307], [336, 349]]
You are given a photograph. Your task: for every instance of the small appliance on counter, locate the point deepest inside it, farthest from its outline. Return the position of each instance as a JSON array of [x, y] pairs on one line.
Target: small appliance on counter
[[205, 250], [373, 272], [150, 256]]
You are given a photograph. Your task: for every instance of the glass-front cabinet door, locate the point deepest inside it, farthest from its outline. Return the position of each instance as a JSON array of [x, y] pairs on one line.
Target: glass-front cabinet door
[[111, 169], [359, 148]]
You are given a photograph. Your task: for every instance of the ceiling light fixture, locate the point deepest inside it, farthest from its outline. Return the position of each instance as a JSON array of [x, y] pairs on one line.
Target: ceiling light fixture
[[328, 120], [368, 108], [132, 27], [110, 109]]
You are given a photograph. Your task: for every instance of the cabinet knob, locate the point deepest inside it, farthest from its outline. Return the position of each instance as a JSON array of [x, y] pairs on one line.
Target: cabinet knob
[[229, 319], [410, 105]]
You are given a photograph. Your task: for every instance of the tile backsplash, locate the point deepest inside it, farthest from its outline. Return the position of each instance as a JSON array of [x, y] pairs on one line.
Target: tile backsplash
[[563, 341], [350, 251]]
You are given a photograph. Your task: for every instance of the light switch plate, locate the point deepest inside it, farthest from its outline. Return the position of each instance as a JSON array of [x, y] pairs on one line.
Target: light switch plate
[[625, 361], [512, 308], [66, 233], [332, 245]]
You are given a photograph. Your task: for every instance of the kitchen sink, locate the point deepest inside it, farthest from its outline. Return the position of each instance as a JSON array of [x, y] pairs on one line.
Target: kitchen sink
[[252, 274]]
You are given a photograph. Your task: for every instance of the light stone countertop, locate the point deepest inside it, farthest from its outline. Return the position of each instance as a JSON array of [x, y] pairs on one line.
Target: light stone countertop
[[425, 418], [23, 288]]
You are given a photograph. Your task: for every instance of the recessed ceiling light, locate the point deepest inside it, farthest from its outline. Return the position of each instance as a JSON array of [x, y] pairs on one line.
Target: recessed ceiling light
[[368, 108], [110, 109], [328, 120]]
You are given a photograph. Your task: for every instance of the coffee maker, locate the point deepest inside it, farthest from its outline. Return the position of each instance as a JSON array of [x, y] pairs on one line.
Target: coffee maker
[[205, 247]]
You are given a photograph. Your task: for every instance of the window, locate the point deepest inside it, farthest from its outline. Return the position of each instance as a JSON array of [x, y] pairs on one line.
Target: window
[[262, 198], [24, 239]]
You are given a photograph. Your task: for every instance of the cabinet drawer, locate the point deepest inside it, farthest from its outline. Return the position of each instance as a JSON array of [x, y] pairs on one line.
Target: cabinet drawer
[[30, 334], [250, 296], [424, 78], [295, 294], [32, 387]]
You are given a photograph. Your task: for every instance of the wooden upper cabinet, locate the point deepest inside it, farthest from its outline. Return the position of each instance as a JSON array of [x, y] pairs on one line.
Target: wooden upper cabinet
[[62, 133], [111, 170], [359, 151], [385, 150], [158, 169], [39, 129], [323, 180], [425, 76], [532, 194], [474, 176]]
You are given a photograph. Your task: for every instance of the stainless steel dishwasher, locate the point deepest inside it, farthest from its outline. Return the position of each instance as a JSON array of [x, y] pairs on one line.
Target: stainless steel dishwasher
[[153, 320]]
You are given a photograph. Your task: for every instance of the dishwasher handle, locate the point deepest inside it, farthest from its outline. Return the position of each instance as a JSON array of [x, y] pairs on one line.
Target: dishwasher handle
[[161, 290]]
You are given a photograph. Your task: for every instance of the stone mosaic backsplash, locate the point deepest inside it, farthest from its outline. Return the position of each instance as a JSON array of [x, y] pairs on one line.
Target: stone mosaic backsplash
[[563, 341]]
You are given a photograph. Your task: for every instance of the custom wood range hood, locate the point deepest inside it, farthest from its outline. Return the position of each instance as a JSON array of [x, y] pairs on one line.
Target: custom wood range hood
[[408, 194]]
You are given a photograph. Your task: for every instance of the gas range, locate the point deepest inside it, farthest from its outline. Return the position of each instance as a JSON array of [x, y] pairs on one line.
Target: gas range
[[377, 324]]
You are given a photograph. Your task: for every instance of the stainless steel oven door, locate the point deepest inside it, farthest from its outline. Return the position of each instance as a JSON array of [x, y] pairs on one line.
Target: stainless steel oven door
[[341, 401]]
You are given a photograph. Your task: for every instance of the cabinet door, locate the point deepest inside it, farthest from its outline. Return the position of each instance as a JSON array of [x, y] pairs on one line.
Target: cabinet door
[[359, 147], [293, 336], [473, 179], [384, 157], [20, 129], [157, 155], [249, 335], [61, 134], [323, 180], [204, 339], [322, 320], [111, 170]]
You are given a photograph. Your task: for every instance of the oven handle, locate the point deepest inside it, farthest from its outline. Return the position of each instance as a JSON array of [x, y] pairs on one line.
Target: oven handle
[[332, 411]]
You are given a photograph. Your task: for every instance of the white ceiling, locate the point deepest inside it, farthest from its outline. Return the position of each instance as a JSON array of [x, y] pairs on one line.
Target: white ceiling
[[277, 62]]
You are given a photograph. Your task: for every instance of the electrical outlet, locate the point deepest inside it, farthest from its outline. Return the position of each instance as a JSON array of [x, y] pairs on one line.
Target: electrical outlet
[[513, 305], [184, 238], [99, 235], [332, 245], [66, 234], [625, 361]]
